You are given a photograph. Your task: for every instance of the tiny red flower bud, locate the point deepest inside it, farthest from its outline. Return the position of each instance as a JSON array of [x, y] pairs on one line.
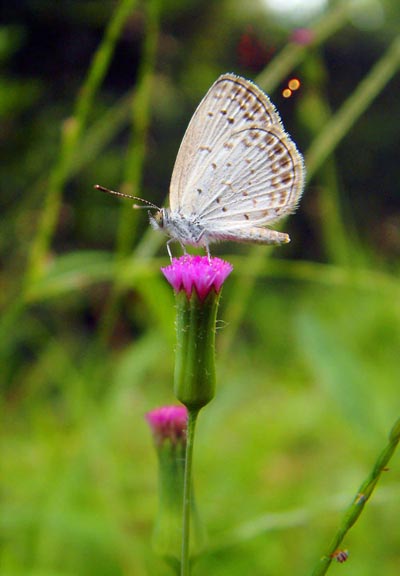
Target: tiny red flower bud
[[168, 423], [302, 36]]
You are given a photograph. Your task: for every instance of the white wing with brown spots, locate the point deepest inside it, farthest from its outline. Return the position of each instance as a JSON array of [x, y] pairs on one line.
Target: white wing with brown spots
[[231, 104], [236, 171]]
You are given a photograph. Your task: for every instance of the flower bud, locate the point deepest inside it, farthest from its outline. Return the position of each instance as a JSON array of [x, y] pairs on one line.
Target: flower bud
[[197, 282]]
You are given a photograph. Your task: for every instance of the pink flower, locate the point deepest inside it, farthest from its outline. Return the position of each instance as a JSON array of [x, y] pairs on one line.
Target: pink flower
[[302, 36], [168, 423], [198, 272]]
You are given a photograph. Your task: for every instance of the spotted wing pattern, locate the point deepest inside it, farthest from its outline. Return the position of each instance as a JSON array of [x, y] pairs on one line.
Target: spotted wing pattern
[[236, 166]]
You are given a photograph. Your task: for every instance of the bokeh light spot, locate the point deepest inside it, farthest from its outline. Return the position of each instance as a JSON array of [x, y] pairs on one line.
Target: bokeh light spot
[[294, 84]]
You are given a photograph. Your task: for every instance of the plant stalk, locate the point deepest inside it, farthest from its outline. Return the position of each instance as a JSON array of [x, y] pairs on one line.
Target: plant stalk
[[70, 141], [356, 507], [187, 493]]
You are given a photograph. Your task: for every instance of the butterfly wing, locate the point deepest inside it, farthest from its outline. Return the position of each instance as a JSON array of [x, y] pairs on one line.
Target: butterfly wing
[[231, 105], [256, 178]]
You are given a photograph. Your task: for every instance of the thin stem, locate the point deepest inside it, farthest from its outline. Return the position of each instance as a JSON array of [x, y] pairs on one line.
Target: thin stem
[[341, 122], [293, 54], [140, 117], [70, 139], [364, 493], [93, 141], [187, 493], [323, 145]]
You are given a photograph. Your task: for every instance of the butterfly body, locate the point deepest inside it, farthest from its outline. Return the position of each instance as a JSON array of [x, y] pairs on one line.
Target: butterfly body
[[189, 230], [183, 229]]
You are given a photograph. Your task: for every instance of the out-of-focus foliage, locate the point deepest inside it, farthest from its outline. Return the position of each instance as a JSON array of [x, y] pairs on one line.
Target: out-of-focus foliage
[[308, 347]]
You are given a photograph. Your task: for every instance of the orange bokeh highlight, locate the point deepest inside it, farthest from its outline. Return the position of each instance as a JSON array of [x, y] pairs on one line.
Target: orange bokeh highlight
[[294, 84]]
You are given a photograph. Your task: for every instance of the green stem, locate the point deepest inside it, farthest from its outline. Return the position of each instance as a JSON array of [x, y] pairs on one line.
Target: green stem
[[140, 118], [93, 141], [293, 54], [341, 122], [323, 145], [338, 238], [71, 136], [356, 507], [187, 493]]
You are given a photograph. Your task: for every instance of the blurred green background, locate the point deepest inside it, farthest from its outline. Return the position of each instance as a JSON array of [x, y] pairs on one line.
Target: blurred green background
[[308, 346]]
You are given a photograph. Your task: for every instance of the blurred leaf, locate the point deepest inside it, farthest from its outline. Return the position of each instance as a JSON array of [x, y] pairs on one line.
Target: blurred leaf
[[72, 271]]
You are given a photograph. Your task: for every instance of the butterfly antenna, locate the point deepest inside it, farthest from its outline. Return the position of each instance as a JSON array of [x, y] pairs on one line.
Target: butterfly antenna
[[102, 189]]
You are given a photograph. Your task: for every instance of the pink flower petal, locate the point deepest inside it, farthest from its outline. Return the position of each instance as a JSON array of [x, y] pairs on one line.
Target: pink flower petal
[[197, 272]]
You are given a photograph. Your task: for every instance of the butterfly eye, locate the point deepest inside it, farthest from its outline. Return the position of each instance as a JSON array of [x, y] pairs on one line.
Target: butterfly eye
[[159, 218]]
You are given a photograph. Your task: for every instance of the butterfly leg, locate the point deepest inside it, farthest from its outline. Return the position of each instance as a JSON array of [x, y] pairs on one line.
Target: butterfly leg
[[169, 249], [201, 240], [208, 253]]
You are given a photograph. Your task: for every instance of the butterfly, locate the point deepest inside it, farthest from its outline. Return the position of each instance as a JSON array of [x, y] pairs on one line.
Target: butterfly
[[236, 171]]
